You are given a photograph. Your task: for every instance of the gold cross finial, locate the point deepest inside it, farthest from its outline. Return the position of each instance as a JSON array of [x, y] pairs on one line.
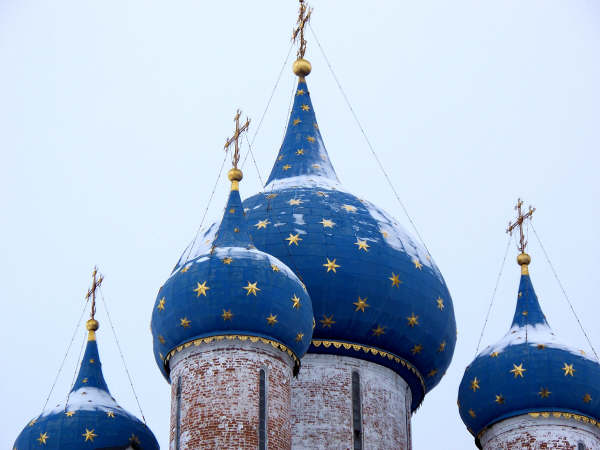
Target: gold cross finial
[[97, 279], [298, 34], [235, 138], [519, 223]]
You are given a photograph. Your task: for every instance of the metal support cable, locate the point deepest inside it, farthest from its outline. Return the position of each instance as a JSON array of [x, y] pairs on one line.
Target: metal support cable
[[66, 354], [562, 288], [362, 130], [254, 161], [121, 353], [487, 316], [84, 340]]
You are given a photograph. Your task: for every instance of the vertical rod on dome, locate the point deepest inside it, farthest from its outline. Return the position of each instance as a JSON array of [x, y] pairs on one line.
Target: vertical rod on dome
[[523, 259], [92, 324], [235, 174], [301, 66]]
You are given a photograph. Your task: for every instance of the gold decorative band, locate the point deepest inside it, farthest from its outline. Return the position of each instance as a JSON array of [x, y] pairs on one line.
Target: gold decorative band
[[231, 337], [374, 351]]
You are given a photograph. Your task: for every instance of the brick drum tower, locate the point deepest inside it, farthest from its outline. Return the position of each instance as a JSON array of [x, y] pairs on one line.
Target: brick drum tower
[[529, 391]]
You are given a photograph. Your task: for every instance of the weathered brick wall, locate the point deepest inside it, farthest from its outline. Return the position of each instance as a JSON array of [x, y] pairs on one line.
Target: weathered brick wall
[[220, 396], [322, 405], [533, 433]]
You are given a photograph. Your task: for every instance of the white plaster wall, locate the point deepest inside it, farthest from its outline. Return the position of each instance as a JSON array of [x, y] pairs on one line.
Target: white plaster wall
[[527, 432], [322, 405]]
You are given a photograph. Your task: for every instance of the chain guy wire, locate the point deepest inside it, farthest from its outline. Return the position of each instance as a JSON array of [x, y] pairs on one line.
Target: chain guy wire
[[562, 288], [121, 353], [362, 130], [487, 316], [66, 354]]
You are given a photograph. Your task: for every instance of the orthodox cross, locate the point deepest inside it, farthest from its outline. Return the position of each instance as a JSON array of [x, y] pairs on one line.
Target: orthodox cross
[[97, 279], [235, 138], [298, 34], [519, 223]]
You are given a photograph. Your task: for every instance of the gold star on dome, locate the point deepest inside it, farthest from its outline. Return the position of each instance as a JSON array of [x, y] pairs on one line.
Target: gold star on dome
[[416, 349], [494, 354], [472, 413], [475, 384], [331, 265], [161, 304], [442, 347], [293, 239], [270, 196], [299, 337], [43, 438], [361, 304], [296, 121], [520, 294], [440, 303], [262, 224], [395, 279], [300, 151], [286, 167], [85, 380], [185, 269], [70, 413], [349, 208], [227, 315], [541, 346], [587, 398], [310, 139], [417, 264], [327, 321], [327, 223], [272, 319], [295, 201], [295, 302], [518, 370], [378, 331], [201, 289], [110, 414], [92, 360], [568, 368], [300, 92], [544, 393], [89, 435], [362, 245], [251, 288], [524, 313], [275, 268], [305, 108], [227, 260], [316, 166], [432, 373], [232, 210], [161, 339], [134, 438], [184, 322], [499, 399], [413, 320]]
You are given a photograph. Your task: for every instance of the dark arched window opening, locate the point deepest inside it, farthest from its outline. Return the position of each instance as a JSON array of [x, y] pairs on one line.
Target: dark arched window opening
[[262, 410]]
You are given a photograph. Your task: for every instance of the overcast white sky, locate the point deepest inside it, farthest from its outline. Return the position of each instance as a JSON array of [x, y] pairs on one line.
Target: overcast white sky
[[113, 115]]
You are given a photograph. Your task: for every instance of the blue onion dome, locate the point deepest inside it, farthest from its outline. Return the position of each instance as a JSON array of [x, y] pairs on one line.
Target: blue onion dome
[[90, 417], [231, 290], [528, 371], [377, 294]]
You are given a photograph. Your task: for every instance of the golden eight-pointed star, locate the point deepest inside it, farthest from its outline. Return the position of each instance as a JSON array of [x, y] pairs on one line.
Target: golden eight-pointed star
[[300, 92], [300, 151], [362, 245], [85, 380], [295, 302], [413, 320], [184, 322], [110, 414], [587, 398], [416, 349], [327, 321], [161, 339], [310, 139], [442, 347], [518, 370], [568, 368], [331, 265], [70, 413], [305, 108], [296, 122], [378, 331], [272, 319], [275, 268], [286, 167], [262, 224], [89, 435], [185, 269], [251, 288], [494, 354], [475, 384], [361, 304], [349, 208], [395, 280], [43, 438], [440, 303], [327, 223], [227, 260], [201, 289], [472, 413], [293, 239], [499, 399], [227, 315], [544, 392], [161, 304], [299, 337], [316, 166], [432, 372], [417, 264], [295, 201]]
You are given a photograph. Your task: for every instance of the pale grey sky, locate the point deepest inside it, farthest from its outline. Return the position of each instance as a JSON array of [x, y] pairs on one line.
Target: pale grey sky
[[113, 115]]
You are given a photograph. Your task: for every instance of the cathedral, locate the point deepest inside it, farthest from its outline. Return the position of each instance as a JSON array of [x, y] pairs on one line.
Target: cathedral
[[308, 318]]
